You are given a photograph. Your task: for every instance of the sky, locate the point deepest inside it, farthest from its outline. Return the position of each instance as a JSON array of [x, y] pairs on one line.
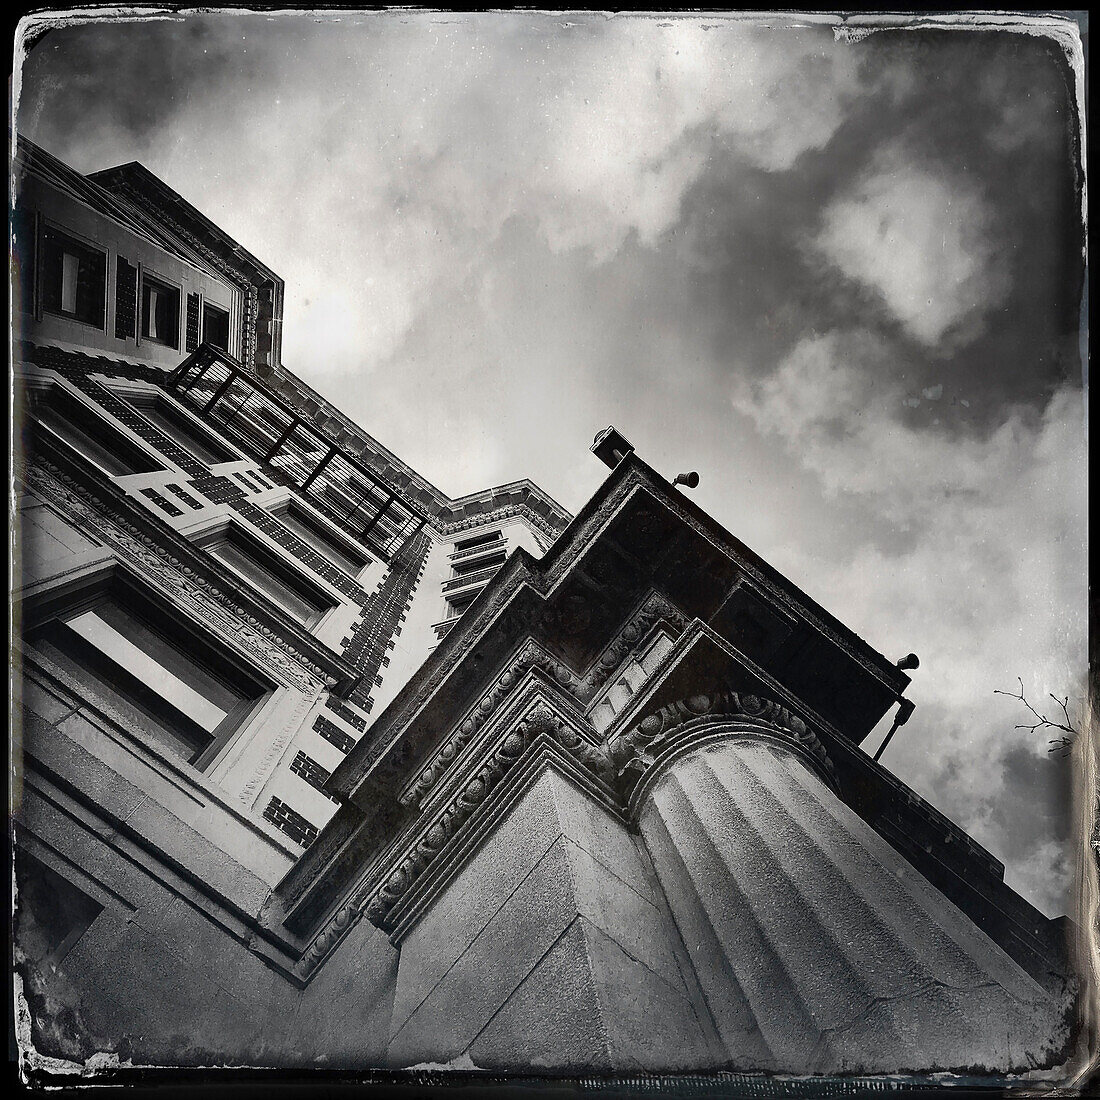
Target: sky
[[838, 275]]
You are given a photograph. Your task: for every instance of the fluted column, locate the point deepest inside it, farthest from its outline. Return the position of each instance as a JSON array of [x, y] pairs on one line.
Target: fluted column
[[818, 947]]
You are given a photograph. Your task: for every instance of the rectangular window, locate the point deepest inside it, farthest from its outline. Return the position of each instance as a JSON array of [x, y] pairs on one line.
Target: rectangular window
[[181, 428], [476, 564], [160, 312], [152, 671], [458, 605], [267, 573], [215, 326], [478, 540], [98, 441], [341, 552], [74, 278]]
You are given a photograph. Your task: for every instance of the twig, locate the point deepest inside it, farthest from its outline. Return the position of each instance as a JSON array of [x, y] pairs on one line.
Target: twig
[[1063, 743]]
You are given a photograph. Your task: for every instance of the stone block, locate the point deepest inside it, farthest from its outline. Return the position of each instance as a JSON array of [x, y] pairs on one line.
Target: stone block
[[552, 1020], [480, 888], [592, 827], [203, 859], [620, 912], [43, 700], [649, 1024], [344, 1018], [507, 949], [73, 750]]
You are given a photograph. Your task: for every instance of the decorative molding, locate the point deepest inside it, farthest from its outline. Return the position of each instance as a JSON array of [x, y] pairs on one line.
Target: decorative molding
[[654, 608], [204, 602], [345, 919], [275, 749], [678, 725], [508, 511], [431, 839], [531, 655]]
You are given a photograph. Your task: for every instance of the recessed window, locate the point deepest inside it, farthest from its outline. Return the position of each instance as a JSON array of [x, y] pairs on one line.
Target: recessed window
[[86, 432], [266, 572], [74, 278], [458, 605], [478, 540], [476, 564], [155, 673], [160, 312], [317, 536], [215, 326], [183, 429]]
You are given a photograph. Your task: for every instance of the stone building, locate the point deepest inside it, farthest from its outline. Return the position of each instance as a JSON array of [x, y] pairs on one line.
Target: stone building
[[320, 766]]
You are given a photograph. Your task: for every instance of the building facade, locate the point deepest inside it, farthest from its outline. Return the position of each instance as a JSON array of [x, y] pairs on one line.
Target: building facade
[[320, 766]]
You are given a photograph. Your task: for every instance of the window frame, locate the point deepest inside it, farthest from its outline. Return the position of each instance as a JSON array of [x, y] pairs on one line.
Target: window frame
[[141, 400], [40, 395], [292, 572], [49, 227], [111, 581], [340, 540], [151, 278], [204, 305]]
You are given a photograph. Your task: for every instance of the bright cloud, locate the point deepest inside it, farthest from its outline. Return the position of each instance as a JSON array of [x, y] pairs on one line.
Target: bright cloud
[[921, 238]]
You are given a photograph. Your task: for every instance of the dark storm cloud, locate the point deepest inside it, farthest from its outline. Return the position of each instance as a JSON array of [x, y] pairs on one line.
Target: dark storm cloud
[[127, 81], [993, 110]]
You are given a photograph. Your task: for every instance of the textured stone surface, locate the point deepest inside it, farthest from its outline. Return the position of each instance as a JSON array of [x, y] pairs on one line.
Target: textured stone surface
[[503, 930], [818, 947]]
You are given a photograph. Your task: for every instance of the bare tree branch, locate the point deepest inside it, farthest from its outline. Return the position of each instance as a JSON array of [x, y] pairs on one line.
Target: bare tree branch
[[1062, 744]]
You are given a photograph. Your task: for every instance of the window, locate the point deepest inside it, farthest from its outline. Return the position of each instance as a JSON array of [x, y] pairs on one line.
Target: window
[[457, 606], [157, 674], [87, 433], [476, 564], [179, 426], [160, 312], [317, 536], [478, 540], [215, 326], [267, 573], [74, 278]]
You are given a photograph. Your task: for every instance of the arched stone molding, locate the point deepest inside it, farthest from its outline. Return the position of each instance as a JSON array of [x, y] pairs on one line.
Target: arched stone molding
[[641, 754]]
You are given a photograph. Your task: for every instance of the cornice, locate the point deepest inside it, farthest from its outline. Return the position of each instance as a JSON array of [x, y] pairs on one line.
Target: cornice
[[531, 654], [432, 838]]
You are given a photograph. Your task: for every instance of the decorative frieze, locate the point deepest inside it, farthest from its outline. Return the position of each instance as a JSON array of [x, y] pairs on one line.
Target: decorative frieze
[[654, 609], [432, 838]]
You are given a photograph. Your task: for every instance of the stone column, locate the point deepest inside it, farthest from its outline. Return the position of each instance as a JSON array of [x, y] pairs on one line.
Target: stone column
[[818, 947]]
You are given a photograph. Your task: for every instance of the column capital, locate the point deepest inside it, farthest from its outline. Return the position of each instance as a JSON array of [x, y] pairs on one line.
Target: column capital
[[645, 750]]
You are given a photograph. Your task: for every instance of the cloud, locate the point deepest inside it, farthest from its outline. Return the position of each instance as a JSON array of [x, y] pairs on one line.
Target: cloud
[[445, 128], [988, 584], [501, 233], [920, 236]]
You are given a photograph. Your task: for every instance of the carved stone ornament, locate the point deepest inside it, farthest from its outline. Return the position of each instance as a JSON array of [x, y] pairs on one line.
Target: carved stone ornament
[[431, 839], [654, 609], [344, 920], [678, 724], [206, 603], [521, 511]]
